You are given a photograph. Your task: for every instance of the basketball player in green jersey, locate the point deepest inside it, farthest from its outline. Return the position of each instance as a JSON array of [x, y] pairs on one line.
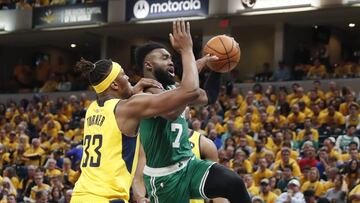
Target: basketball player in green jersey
[[111, 124], [202, 147], [172, 173]]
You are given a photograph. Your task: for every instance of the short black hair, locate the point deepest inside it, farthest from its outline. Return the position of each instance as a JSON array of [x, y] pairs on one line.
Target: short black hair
[[142, 51]]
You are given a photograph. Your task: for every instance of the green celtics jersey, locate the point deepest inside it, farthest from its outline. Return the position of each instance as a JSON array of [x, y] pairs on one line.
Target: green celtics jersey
[[165, 142]]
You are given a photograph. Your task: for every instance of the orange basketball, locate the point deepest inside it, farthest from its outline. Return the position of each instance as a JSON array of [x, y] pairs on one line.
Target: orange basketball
[[228, 51]]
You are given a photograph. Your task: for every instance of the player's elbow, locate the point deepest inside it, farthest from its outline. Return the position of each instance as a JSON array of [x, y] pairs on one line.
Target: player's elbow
[[195, 93]]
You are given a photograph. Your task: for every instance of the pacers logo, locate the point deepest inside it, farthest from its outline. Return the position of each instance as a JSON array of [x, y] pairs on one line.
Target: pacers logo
[[141, 9], [248, 3]]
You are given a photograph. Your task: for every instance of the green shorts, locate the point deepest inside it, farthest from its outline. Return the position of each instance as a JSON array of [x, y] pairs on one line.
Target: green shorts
[[177, 187]]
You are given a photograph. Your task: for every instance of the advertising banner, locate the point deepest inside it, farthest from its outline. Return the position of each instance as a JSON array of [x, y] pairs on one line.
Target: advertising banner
[[69, 15], [161, 9]]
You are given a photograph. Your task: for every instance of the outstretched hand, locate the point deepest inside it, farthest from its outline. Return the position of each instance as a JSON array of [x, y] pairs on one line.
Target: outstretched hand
[[180, 38], [146, 83], [201, 63]]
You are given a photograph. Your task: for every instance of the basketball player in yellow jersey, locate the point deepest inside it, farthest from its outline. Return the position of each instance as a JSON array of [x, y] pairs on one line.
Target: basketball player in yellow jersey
[[111, 122], [204, 148]]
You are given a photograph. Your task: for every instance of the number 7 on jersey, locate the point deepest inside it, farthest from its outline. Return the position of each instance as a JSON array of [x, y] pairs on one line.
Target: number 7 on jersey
[[176, 127]]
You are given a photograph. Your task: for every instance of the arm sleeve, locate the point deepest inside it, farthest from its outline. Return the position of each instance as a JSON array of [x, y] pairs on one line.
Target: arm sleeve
[[212, 86]]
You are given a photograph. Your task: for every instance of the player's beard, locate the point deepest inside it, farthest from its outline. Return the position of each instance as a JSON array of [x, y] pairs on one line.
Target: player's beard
[[163, 77]]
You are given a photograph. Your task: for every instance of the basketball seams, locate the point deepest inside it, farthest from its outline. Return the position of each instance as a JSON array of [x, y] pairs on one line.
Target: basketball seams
[[227, 54], [215, 50], [230, 57]]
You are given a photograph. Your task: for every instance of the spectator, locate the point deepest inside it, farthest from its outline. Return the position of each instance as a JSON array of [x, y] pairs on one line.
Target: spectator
[[41, 196], [262, 172], [352, 176], [354, 195], [282, 73], [34, 155], [330, 146], [352, 153], [287, 162], [7, 188], [265, 191], [56, 195], [251, 187], [11, 198], [317, 71], [313, 183], [292, 194], [75, 154], [23, 76], [68, 195], [343, 141], [353, 118], [265, 74], [257, 199], [40, 186], [336, 194], [345, 106], [309, 196], [285, 178]]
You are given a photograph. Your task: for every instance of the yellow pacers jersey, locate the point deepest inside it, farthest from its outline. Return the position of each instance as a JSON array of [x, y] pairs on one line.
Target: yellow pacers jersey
[[194, 139], [109, 158]]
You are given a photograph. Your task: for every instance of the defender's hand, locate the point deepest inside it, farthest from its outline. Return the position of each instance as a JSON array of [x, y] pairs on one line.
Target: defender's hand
[[145, 83], [201, 63]]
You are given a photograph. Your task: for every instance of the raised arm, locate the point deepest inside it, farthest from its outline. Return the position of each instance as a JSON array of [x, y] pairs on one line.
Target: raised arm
[[145, 105]]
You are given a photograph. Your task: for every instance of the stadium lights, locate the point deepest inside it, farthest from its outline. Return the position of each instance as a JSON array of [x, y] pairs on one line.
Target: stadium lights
[[72, 45], [351, 24], [275, 11], [316, 27], [170, 19]]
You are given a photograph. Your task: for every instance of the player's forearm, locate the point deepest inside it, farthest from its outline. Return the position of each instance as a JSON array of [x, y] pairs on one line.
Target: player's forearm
[[138, 188], [190, 78]]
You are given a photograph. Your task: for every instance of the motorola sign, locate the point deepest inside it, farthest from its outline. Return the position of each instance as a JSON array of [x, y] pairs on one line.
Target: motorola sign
[[157, 9], [141, 9], [248, 3]]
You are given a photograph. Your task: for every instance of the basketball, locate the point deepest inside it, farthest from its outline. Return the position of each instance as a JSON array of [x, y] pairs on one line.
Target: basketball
[[228, 51]]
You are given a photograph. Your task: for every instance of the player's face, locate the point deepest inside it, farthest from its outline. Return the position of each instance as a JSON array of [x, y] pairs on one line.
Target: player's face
[[163, 66], [125, 87]]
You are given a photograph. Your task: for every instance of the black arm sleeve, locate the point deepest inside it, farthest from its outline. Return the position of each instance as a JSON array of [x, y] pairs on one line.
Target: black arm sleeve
[[212, 86]]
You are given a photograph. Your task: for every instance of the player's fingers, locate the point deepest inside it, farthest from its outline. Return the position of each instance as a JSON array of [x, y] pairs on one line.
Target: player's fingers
[[174, 27], [171, 37], [178, 26], [188, 28], [213, 58], [152, 82], [183, 28]]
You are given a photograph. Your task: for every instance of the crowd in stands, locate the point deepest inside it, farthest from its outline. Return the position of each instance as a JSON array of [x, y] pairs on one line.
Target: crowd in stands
[[285, 144], [311, 65], [28, 4], [42, 77]]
